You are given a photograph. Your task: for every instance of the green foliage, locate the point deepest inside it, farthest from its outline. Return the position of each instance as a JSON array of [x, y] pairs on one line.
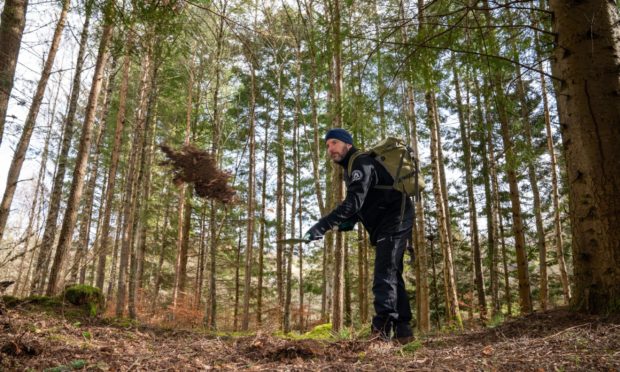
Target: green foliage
[[320, 332], [10, 301], [44, 301], [72, 366], [84, 295], [122, 322], [497, 319], [410, 348]]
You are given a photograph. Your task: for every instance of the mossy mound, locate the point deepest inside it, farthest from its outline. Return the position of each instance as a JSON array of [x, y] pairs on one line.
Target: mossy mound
[[320, 332], [86, 296], [10, 301]]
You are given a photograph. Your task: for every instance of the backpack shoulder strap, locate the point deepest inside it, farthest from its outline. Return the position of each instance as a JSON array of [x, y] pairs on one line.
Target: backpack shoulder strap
[[354, 156]]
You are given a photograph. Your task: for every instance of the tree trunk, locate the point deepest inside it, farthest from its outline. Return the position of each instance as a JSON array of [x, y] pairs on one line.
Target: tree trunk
[[12, 24], [312, 51], [361, 276], [507, 295], [144, 179], [24, 141], [162, 251], [139, 152], [557, 222], [338, 295], [237, 269], [533, 178], [115, 155], [185, 207], [452, 305], [490, 207], [201, 259], [280, 204], [36, 201], [77, 184], [419, 244], [89, 196], [210, 317], [300, 249], [114, 265], [251, 200], [473, 218], [525, 297], [587, 62], [291, 247], [262, 233]]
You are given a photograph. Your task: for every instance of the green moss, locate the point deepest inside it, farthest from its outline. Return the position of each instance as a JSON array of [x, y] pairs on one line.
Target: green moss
[[89, 297], [122, 322], [72, 366], [411, 348], [44, 301], [11, 301], [320, 332], [496, 320]]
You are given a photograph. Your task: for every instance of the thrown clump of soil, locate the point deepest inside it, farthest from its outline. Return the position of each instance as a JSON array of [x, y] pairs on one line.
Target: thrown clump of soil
[[263, 347], [17, 347], [199, 167]]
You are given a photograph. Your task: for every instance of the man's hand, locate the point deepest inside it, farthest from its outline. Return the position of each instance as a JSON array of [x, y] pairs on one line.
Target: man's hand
[[316, 232], [346, 226]]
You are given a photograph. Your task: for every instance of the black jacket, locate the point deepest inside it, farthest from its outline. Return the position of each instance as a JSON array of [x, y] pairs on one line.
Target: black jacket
[[379, 210]]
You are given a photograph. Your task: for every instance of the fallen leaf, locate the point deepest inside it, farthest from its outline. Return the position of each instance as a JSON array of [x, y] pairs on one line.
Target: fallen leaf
[[488, 350]]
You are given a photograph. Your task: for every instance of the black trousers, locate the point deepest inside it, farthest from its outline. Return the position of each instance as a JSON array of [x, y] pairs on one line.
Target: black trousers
[[391, 302]]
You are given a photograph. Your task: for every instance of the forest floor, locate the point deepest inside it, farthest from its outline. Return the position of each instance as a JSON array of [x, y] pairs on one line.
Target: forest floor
[[32, 338]]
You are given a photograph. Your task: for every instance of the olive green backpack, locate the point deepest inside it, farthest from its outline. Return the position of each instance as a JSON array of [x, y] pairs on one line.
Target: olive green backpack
[[399, 161]]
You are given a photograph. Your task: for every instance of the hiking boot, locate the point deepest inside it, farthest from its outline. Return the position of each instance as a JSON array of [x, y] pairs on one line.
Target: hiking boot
[[404, 340], [403, 334], [376, 335]]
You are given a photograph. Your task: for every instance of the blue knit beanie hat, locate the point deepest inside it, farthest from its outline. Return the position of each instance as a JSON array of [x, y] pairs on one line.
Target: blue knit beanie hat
[[339, 134]]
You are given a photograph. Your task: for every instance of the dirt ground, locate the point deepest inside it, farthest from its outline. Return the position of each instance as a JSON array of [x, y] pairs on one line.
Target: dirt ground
[[552, 341]]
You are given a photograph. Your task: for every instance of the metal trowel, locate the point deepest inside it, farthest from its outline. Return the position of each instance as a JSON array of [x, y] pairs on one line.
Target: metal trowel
[[293, 241]]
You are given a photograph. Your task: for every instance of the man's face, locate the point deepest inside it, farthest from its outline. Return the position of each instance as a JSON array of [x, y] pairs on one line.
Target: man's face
[[336, 149]]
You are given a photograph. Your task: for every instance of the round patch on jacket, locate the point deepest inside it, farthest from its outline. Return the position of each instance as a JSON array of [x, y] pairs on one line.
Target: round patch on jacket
[[356, 175]]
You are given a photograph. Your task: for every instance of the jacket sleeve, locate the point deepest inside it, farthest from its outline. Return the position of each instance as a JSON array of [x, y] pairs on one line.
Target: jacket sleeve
[[362, 178]]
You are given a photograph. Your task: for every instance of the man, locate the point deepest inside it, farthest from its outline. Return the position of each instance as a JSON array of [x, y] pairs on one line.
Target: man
[[381, 213]]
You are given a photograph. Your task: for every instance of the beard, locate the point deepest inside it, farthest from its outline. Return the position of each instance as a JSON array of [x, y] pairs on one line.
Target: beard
[[338, 156]]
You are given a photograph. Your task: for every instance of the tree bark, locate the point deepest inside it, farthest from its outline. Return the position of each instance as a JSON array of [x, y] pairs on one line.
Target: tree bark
[[586, 62], [12, 22], [130, 212], [139, 150], [280, 204], [237, 269], [473, 218], [162, 251], [421, 260], [452, 304], [56, 193], [89, 196], [37, 201], [211, 312], [185, 207], [262, 232], [112, 170], [490, 207], [77, 184], [557, 221], [312, 51], [338, 294], [251, 199], [20, 151], [533, 178]]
